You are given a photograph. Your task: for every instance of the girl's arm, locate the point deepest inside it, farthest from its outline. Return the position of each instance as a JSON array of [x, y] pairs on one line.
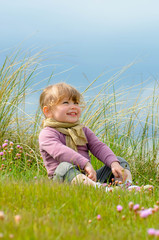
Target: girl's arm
[[105, 154], [99, 149]]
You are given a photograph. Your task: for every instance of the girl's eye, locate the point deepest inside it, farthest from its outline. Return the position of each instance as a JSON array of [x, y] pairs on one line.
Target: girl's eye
[[76, 103], [65, 102]]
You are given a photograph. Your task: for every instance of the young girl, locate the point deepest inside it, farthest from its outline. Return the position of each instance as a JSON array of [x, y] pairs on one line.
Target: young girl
[[65, 143]]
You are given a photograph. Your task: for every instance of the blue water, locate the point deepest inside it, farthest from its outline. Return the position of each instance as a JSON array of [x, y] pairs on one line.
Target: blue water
[[89, 37]]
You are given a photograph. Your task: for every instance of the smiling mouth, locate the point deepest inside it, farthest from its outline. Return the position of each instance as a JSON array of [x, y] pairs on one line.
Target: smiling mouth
[[72, 114]]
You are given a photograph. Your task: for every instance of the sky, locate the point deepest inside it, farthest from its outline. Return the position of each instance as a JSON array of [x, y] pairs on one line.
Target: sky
[[90, 37]]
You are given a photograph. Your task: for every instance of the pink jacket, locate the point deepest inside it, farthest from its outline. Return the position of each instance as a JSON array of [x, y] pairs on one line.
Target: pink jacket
[[54, 150]]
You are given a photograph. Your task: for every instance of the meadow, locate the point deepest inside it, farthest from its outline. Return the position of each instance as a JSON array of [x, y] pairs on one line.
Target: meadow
[[32, 207]]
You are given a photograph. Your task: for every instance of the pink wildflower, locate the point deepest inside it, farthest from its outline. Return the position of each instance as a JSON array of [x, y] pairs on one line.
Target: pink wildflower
[[1, 153], [151, 231], [145, 213], [136, 207], [98, 217], [136, 188], [4, 145], [18, 146], [157, 233], [119, 208]]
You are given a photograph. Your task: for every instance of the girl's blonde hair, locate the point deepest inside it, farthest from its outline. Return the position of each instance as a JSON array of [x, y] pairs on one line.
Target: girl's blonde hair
[[53, 94]]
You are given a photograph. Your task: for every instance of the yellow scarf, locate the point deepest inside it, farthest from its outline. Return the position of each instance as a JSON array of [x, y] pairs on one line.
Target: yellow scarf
[[74, 132]]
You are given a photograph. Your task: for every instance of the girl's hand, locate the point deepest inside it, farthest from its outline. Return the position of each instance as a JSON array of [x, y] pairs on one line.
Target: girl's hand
[[90, 172], [118, 171]]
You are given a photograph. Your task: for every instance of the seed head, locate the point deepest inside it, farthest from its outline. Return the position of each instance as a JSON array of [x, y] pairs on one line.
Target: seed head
[[131, 204], [1, 235], [17, 219], [123, 217], [2, 216], [11, 236], [156, 208]]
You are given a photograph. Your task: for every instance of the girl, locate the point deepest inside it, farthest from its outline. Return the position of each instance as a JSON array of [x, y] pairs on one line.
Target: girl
[[65, 143]]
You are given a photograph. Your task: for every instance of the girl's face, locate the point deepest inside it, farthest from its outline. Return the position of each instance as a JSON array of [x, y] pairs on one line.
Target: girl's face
[[66, 110]]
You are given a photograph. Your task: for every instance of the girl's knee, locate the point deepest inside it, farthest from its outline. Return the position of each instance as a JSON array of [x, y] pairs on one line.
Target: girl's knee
[[123, 163], [62, 169]]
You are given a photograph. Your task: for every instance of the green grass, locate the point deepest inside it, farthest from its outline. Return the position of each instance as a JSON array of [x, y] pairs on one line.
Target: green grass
[[61, 211]]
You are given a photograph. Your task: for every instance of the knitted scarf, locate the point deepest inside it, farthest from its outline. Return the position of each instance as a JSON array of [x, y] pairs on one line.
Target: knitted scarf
[[74, 132]]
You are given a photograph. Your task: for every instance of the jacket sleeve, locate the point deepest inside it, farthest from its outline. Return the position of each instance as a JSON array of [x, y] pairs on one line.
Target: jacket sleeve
[[99, 149], [49, 141]]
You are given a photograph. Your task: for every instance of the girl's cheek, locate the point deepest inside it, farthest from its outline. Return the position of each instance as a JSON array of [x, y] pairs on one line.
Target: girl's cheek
[[80, 113]]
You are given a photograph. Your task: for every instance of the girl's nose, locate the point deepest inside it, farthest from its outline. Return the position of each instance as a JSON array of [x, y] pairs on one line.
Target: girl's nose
[[73, 105]]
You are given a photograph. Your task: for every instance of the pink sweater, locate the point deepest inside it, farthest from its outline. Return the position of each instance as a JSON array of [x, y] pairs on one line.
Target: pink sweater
[[54, 150]]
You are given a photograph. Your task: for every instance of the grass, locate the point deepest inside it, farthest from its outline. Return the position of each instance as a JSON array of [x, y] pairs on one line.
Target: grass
[[61, 211]]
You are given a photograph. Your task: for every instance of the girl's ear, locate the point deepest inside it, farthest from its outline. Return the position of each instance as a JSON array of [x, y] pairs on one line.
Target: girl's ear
[[46, 111]]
